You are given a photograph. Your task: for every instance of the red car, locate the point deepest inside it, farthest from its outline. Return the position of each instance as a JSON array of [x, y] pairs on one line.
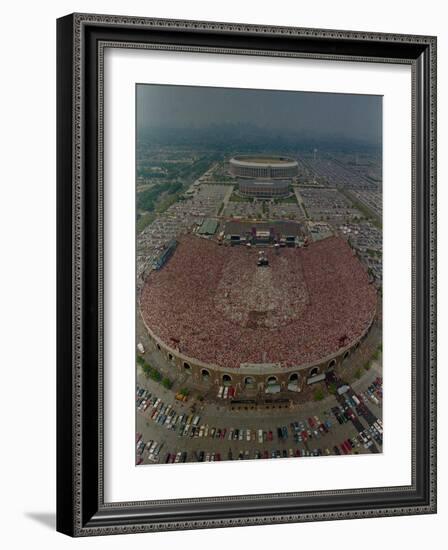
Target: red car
[[350, 413], [311, 422], [270, 436]]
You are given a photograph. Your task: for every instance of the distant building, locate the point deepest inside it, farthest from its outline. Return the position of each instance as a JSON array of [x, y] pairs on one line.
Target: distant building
[[264, 189], [264, 167], [263, 177], [281, 232]]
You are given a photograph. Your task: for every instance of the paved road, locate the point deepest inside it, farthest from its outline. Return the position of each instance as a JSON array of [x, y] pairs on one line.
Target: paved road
[[300, 201]]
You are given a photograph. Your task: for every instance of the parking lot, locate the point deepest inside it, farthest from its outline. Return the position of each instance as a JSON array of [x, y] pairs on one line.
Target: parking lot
[[172, 431]]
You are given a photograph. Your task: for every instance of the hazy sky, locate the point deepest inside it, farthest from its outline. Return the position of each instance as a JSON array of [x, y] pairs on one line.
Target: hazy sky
[[357, 117]]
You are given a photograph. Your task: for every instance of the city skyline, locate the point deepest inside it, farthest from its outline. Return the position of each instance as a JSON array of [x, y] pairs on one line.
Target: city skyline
[[313, 114]]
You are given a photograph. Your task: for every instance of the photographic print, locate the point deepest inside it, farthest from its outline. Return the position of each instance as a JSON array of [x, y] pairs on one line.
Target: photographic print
[[258, 274]]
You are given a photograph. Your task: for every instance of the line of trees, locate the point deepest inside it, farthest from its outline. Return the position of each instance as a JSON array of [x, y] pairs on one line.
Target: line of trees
[[153, 373]]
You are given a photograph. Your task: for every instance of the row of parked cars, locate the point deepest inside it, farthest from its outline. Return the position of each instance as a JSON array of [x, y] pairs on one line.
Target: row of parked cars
[[188, 425], [164, 414], [226, 392], [348, 446], [344, 414], [374, 431], [350, 402], [304, 430], [175, 458], [151, 449], [301, 430], [374, 392]]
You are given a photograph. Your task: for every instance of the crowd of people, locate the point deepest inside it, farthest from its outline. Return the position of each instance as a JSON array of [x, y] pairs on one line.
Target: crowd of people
[[215, 304], [269, 296]]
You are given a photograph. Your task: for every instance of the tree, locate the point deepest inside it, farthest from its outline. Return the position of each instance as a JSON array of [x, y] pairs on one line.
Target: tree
[[155, 375], [166, 383], [146, 369], [318, 394]]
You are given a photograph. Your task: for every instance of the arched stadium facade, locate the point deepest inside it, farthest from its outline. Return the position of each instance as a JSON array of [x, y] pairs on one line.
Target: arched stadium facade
[[252, 378], [264, 188], [266, 167]]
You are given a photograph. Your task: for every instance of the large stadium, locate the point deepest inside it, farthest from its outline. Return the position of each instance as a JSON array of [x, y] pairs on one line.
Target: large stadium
[[272, 167], [263, 177], [222, 316]]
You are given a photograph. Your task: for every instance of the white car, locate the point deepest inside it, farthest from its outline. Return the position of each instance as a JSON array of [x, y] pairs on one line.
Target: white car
[[247, 435], [260, 436]]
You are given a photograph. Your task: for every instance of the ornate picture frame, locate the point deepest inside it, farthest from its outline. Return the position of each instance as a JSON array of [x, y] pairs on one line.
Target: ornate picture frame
[[81, 42]]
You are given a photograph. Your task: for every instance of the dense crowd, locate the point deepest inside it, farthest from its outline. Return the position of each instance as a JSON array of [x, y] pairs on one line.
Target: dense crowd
[[214, 303], [263, 297]]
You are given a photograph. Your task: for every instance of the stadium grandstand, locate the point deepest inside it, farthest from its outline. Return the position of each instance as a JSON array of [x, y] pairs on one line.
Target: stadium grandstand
[[216, 310]]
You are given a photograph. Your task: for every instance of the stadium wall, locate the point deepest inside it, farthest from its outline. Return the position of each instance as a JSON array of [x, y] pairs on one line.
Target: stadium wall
[[204, 376]]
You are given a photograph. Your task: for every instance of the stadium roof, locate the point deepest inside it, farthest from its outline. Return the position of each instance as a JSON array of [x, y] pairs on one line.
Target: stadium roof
[[283, 227], [208, 227], [263, 159]]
